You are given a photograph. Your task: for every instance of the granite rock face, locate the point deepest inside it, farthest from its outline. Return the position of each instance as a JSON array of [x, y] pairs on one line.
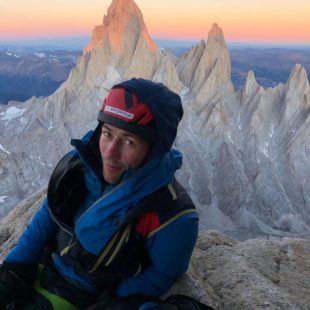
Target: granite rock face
[[253, 274], [246, 153], [206, 68], [12, 226], [245, 171]]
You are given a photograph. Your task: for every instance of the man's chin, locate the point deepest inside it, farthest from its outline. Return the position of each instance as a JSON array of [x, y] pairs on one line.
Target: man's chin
[[112, 178], [112, 174]]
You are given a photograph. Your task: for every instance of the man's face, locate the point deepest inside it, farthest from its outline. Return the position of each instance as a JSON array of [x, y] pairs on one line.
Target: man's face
[[120, 150]]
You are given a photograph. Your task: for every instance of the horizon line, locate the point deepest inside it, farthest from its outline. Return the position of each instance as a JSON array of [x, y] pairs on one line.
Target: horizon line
[[83, 40]]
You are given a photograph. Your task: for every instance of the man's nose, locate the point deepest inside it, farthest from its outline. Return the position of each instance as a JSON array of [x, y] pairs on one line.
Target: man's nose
[[112, 150]]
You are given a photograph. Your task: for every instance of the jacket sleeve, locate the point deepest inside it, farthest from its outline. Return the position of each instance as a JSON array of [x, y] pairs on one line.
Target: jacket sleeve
[[170, 250], [18, 270], [36, 236]]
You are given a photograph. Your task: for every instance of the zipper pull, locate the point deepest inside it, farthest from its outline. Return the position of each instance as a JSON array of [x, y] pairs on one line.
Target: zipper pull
[[66, 250]]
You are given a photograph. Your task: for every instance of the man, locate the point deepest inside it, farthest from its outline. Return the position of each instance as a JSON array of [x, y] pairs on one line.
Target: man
[[115, 222]]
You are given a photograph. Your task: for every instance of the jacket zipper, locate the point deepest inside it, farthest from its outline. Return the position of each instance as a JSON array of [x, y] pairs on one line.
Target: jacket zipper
[[70, 245], [124, 239], [113, 247]]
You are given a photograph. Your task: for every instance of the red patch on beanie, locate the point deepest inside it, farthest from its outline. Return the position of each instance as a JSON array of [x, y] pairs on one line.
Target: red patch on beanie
[[124, 105], [122, 109]]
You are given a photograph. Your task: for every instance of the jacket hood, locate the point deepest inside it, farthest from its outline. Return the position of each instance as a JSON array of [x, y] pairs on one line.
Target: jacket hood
[[166, 107], [167, 110]]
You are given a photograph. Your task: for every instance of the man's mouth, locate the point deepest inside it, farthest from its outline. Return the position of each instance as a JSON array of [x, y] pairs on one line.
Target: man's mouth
[[111, 166]]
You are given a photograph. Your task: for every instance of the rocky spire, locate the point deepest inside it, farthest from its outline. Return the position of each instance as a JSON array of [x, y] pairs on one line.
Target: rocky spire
[[188, 63], [124, 17], [214, 68], [120, 48], [250, 86], [216, 32], [296, 91], [298, 80]]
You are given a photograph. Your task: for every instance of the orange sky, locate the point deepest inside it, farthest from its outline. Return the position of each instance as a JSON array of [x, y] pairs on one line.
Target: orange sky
[[277, 21]]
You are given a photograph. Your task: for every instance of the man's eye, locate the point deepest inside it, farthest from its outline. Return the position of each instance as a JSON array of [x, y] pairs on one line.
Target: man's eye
[[129, 142], [106, 133]]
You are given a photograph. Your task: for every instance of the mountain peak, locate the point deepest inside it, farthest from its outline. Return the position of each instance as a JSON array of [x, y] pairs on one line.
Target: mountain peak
[[127, 7], [123, 16], [298, 73], [250, 85], [215, 31], [298, 82]]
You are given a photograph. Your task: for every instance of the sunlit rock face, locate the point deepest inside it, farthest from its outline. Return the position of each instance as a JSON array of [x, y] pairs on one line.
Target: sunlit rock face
[[123, 18], [122, 43], [246, 153]]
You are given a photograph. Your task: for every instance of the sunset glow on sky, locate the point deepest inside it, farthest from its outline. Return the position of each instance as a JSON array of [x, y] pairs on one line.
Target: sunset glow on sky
[[275, 21]]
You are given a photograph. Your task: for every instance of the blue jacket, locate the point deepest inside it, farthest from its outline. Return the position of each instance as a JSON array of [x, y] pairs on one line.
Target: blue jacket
[[169, 235]]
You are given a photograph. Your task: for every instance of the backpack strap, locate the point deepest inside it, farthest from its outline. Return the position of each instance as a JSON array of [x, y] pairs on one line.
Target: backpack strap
[[165, 208], [177, 216]]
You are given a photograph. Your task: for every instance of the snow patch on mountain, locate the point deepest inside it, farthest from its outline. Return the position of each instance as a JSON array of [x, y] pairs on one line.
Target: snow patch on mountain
[[11, 113], [4, 150], [2, 198], [40, 55]]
